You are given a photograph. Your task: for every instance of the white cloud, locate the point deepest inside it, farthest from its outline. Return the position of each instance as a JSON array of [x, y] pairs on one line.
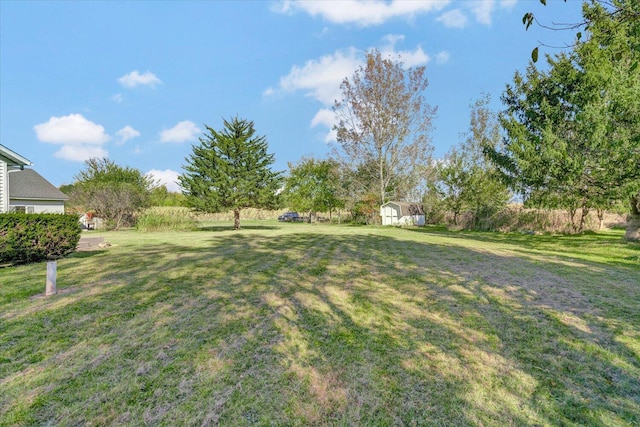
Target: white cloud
[[71, 129], [508, 4], [324, 117], [393, 39], [117, 98], [327, 118], [453, 19], [321, 78], [268, 91], [134, 79], [361, 12], [323, 32], [182, 132], [376, 12], [80, 153], [125, 134], [442, 57], [482, 10], [168, 178], [80, 138], [412, 58], [409, 58]]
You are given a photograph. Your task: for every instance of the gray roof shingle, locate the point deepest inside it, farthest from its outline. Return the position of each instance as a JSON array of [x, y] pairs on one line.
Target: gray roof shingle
[[29, 184], [408, 208]]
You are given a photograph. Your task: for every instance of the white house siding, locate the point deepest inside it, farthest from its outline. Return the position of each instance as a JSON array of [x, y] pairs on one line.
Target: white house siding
[[4, 188], [39, 206]]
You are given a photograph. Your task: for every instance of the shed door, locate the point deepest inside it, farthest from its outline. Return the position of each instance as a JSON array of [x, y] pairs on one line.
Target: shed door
[[391, 215]]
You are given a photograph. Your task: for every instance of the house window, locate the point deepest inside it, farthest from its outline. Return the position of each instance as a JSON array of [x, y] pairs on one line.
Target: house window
[[22, 209]]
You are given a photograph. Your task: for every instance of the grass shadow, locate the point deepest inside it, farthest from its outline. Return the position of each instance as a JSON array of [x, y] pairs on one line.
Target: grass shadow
[[87, 253], [218, 228], [318, 328], [598, 249]]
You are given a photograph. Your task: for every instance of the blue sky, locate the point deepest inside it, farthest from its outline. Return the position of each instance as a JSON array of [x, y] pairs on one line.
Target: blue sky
[[137, 81]]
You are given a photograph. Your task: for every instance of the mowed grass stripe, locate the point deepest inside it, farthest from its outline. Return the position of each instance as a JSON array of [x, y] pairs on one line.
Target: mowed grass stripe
[[301, 324]]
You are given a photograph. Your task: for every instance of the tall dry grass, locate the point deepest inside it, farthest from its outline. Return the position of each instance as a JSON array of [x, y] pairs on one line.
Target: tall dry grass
[[516, 218], [247, 213], [166, 218]]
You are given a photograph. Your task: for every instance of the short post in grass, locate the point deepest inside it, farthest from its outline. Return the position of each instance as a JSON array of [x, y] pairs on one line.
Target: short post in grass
[[52, 267]]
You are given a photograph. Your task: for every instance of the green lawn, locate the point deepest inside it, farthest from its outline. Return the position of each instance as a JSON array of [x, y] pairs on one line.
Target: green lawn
[[302, 324]]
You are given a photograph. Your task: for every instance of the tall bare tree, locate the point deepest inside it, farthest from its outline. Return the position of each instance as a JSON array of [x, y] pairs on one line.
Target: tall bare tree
[[384, 119]]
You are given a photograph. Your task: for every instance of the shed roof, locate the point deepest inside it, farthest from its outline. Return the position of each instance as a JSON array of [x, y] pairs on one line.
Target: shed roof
[[408, 208], [29, 184], [12, 158]]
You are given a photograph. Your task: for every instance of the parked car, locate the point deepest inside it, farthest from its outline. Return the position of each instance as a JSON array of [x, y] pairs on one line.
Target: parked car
[[289, 217]]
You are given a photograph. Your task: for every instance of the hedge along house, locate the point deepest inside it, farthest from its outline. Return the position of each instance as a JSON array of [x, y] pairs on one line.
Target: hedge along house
[[402, 213], [25, 190]]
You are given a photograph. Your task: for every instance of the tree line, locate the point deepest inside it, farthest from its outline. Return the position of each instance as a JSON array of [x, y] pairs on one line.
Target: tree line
[[568, 137]]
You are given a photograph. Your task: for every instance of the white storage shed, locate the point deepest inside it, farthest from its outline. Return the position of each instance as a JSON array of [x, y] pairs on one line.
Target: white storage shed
[[402, 213]]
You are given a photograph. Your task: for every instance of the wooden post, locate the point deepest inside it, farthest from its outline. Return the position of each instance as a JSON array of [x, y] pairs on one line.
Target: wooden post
[[52, 267]]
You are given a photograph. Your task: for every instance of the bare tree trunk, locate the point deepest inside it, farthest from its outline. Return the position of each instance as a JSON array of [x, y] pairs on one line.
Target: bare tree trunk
[[572, 215], [583, 215], [600, 212], [236, 219], [381, 171], [633, 220]]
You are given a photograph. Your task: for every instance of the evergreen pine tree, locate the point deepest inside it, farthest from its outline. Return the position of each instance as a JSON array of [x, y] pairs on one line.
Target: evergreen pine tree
[[230, 170]]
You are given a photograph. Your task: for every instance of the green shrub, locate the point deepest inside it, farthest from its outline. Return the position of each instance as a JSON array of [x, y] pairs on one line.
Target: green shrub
[[165, 218], [26, 238]]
